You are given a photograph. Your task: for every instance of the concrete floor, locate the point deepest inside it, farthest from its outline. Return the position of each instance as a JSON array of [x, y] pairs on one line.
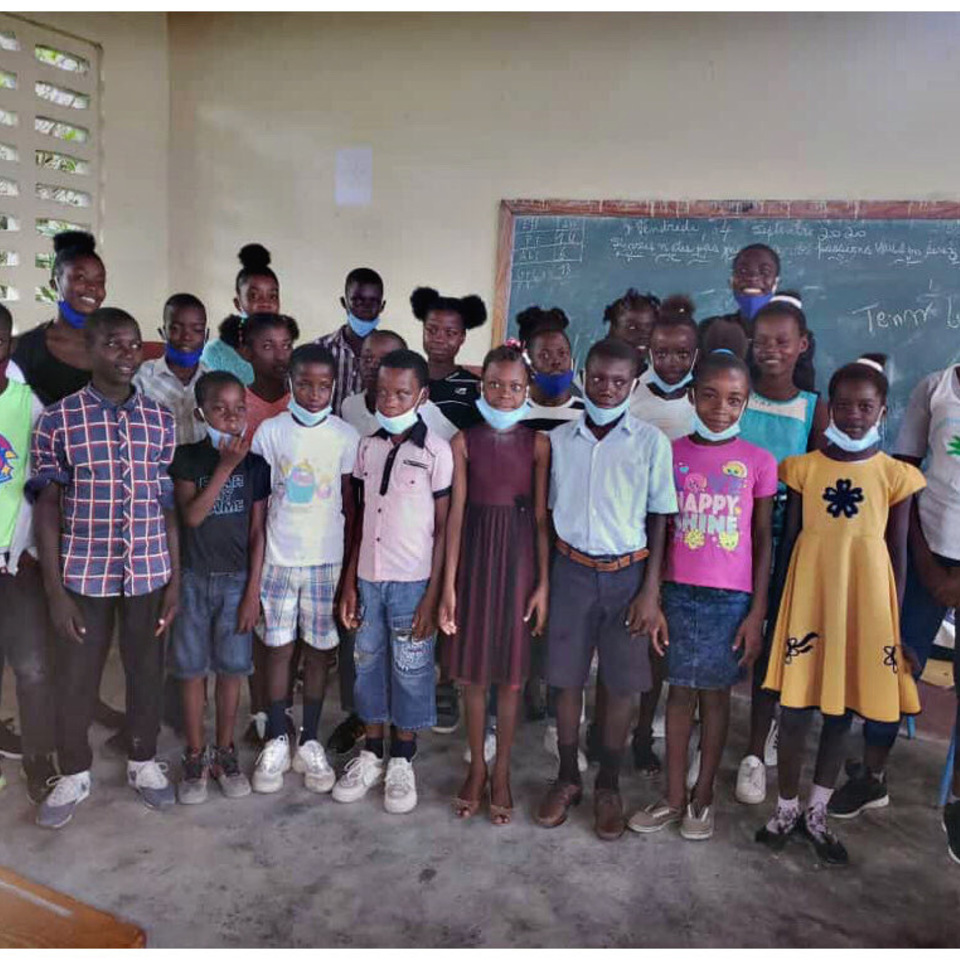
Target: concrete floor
[[297, 870]]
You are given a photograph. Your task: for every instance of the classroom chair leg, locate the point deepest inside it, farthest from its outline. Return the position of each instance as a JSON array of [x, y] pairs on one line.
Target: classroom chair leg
[[948, 769], [911, 728]]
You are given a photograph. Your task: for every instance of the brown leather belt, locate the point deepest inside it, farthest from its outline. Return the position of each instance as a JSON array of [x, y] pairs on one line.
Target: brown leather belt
[[602, 566]]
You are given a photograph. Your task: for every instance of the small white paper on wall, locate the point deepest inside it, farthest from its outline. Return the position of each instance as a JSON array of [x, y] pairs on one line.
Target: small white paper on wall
[[353, 180]]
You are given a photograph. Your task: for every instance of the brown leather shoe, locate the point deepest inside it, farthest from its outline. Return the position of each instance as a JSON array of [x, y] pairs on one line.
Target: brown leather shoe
[[557, 801], [608, 814]]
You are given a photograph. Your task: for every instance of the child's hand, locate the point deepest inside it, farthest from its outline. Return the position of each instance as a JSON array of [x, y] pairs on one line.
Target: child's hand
[[660, 638], [66, 617], [643, 614], [425, 618], [447, 615], [349, 607], [537, 608], [749, 638], [232, 450], [168, 607], [249, 612]]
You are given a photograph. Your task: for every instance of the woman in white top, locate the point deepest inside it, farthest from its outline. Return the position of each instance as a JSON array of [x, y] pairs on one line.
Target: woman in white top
[[662, 394]]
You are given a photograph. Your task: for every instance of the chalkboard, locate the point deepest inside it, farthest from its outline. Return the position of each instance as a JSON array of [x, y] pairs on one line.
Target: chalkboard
[[875, 276]]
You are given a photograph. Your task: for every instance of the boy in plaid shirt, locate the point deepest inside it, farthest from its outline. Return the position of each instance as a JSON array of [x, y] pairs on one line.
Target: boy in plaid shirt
[[107, 538]]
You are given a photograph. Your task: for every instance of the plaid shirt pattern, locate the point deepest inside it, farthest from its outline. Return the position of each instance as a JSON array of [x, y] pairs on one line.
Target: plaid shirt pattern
[[111, 461], [349, 377]]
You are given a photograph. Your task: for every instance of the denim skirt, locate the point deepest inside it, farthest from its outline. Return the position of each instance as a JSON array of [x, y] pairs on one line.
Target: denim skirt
[[703, 623]]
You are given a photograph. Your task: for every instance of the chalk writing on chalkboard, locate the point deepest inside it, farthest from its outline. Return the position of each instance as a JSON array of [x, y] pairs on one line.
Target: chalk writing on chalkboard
[[545, 248]]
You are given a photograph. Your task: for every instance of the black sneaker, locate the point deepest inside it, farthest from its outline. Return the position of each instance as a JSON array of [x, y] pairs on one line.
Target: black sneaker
[[863, 791], [644, 759], [10, 745], [813, 826], [107, 717], [594, 743], [951, 826], [39, 773], [346, 735], [786, 822], [448, 709]]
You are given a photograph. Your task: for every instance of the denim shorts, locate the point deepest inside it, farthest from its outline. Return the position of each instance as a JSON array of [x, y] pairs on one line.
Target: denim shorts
[[703, 623], [395, 673], [204, 635]]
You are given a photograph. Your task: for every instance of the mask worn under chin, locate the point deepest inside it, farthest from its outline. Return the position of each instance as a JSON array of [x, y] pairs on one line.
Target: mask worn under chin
[[307, 417], [76, 319], [181, 358], [751, 304], [217, 437], [715, 436], [400, 423], [553, 384], [362, 328], [847, 443], [601, 416], [653, 377], [502, 419]]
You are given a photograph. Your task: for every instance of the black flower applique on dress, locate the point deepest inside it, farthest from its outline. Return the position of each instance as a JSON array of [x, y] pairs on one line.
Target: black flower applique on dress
[[890, 658], [843, 499], [797, 646]]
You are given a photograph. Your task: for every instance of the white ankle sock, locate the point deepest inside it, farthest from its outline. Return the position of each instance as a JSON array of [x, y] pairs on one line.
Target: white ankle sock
[[820, 796]]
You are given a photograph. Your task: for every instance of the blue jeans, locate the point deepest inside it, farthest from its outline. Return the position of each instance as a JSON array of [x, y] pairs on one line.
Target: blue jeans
[[395, 675], [919, 624]]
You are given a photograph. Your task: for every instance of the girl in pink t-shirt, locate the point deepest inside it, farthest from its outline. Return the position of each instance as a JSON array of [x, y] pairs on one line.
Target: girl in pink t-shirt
[[715, 584]]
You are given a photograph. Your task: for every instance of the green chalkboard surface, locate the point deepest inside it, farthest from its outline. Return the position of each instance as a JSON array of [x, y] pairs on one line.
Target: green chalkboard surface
[[878, 277]]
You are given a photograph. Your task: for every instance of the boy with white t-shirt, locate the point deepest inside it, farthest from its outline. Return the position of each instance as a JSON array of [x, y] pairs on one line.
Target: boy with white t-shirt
[[310, 516]]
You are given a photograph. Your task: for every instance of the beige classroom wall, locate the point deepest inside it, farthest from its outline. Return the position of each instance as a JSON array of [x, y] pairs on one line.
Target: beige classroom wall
[[463, 110], [136, 139]]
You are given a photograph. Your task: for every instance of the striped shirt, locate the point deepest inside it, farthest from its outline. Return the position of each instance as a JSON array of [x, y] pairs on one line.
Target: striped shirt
[[544, 418], [349, 375], [156, 380], [456, 395], [111, 461]]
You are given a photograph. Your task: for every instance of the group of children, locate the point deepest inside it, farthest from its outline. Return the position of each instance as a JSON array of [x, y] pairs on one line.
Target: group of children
[[684, 510]]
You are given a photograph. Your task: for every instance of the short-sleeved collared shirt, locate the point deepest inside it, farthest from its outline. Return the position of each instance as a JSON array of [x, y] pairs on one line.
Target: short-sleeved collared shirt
[[349, 375], [602, 490], [401, 483], [112, 461], [160, 383]]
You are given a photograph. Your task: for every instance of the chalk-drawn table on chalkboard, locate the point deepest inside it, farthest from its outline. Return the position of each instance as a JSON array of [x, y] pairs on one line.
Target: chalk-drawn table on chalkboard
[[875, 276]]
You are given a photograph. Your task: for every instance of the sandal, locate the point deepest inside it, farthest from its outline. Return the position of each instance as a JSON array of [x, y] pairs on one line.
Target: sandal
[[500, 816], [465, 809]]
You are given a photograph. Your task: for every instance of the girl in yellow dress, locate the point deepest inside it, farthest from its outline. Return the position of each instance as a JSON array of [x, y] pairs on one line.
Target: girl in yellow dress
[[837, 646]]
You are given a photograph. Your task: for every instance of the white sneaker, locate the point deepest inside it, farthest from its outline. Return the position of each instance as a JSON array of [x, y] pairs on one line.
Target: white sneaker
[[693, 771], [489, 748], [68, 791], [272, 763], [551, 745], [359, 775], [400, 788], [751, 781], [149, 779], [311, 761], [771, 744]]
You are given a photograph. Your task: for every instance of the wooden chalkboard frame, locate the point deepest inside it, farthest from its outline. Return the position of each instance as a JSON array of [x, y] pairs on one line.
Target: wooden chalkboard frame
[[670, 209]]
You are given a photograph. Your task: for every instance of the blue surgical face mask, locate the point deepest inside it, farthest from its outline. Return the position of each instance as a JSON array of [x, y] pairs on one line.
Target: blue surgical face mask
[[702, 430], [217, 437], [76, 319], [362, 328], [553, 384], [307, 417], [601, 416], [502, 419], [750, 304], [180, 358], [400, 423], [653, 377], [847, 443]]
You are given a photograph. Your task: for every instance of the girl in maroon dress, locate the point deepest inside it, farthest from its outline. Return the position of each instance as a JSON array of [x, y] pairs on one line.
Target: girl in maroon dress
[[496, 578]]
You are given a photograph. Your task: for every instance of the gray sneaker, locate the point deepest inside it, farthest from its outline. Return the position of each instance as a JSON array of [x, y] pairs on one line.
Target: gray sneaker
[[68, 791], [654, 817], [226, 771], [697, 824], [193, 784], [149, 779]]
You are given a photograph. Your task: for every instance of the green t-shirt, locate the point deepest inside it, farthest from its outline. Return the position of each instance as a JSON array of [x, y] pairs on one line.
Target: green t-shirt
[[16, 421]]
